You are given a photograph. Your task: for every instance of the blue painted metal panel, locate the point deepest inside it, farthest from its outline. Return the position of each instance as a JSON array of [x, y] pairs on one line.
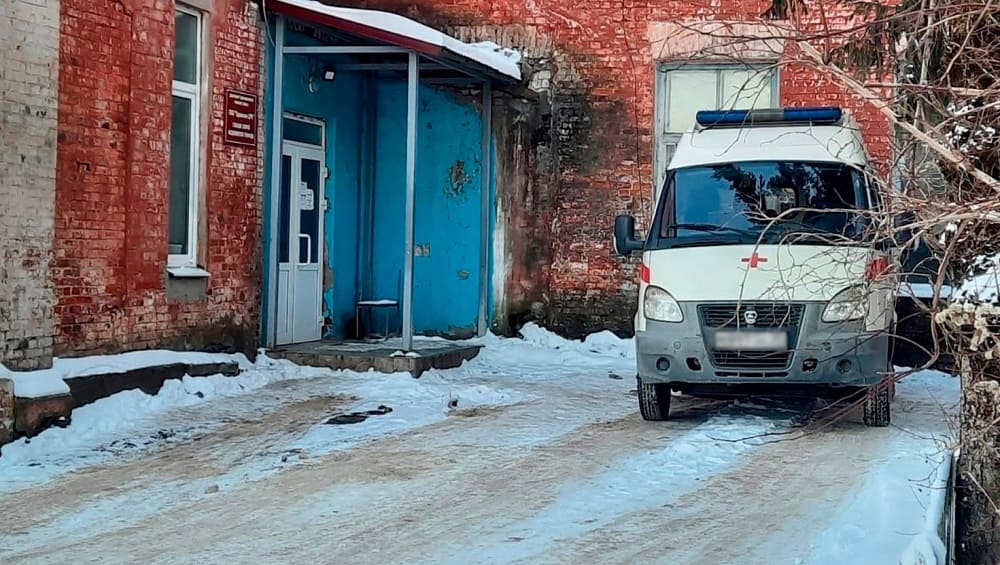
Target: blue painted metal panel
[[448, 188], [490, 303], [268, 137], [447, 230], [338, 103]]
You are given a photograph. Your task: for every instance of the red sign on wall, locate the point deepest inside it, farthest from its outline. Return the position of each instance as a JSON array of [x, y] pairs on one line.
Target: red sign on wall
[[241, 118]]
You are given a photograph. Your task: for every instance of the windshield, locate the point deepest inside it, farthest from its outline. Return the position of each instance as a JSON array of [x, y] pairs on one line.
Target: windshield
[[738, 202]]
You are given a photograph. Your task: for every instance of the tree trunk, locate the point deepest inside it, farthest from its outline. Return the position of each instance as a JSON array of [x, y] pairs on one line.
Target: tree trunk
[[978, 520]]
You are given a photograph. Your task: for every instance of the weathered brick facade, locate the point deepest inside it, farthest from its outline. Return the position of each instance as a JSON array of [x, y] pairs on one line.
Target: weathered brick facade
[[113, 291], [29, 66], [84, 228], [584, 152]]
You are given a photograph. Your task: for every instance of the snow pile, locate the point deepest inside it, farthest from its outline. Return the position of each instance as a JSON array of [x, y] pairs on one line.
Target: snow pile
[[36, 384], [120, 416], [50, 382], [601, 343], [927, 548]]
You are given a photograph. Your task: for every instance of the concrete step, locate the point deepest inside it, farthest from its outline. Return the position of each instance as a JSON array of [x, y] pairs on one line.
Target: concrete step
[[22, 416], [383, 358]]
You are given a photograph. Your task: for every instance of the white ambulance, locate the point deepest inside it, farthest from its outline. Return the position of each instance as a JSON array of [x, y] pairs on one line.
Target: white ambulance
[[761, 272]]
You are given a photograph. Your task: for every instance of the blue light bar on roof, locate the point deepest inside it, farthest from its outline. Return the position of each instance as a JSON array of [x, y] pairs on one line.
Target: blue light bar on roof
[[818, 115]]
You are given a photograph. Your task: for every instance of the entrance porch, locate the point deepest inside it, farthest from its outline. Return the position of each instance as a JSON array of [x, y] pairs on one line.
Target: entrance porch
[[380, 211], [383, 356]]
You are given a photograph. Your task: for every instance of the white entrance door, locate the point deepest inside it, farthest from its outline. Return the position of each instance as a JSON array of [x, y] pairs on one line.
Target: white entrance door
[[300, 244]]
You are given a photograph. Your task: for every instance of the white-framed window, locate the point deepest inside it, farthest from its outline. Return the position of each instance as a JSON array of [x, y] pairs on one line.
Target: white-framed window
[[185, 140], [684, 89]]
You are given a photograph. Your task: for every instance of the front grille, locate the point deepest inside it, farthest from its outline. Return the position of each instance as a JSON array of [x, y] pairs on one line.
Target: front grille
[[751, 359], [769, 315]]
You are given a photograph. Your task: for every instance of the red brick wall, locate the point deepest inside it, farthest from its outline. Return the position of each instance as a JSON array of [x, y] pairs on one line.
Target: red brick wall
[[109, 273], [594, 159]]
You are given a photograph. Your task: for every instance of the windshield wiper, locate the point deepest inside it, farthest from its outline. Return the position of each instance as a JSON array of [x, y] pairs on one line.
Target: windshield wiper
[[714, 228], [787, 227]]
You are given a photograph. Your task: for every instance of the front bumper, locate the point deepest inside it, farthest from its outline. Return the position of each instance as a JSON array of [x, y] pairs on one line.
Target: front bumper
[[839, 354]]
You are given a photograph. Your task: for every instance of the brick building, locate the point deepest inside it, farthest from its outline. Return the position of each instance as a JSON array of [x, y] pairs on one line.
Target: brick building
[[138, 220], [129, 222], [616, 82], [157, 218], [29, 74]]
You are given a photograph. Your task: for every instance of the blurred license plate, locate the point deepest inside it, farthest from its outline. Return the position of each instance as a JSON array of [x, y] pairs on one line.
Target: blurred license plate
[[751, 340]]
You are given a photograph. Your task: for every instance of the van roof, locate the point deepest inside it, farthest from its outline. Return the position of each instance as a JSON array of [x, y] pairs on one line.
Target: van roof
[[839, 142]]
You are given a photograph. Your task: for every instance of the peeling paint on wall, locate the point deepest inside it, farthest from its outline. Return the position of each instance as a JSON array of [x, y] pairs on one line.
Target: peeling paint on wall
[[458, 180]]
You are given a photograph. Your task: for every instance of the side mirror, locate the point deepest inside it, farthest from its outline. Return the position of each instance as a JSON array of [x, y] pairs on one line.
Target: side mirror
[[625, 241]]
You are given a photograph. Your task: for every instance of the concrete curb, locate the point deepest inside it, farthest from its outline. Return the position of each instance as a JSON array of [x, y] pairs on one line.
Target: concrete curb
[[30, 416], [363, 361]]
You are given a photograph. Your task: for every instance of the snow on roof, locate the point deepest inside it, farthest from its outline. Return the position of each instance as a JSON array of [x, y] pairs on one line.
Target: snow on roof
[[504, 61]]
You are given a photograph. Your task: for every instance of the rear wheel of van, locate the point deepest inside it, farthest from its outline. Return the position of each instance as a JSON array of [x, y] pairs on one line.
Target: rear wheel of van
[[654, 400], [878, 399]]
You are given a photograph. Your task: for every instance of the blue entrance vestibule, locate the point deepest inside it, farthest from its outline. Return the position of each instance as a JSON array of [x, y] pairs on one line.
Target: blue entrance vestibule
[[406, 191]]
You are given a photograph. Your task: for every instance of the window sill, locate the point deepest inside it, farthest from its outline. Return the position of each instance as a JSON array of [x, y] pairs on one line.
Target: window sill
[[188, 272]]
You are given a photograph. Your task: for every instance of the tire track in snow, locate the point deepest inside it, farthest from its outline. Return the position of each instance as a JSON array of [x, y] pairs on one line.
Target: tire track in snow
[[236, 436], [641, 481], [770, 504], [387, 495]]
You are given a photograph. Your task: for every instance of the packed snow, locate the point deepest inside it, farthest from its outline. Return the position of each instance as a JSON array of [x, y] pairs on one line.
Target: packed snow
[[886, 521], [130, 414], [119, 419], [532, 450], [504, 61]]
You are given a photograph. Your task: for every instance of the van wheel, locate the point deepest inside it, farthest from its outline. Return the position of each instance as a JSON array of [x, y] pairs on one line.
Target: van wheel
[[654, 400], [878, 399]]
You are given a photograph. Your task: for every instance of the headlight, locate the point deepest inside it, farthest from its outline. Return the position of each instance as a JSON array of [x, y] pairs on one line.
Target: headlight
[[848, 304], [657, 304]]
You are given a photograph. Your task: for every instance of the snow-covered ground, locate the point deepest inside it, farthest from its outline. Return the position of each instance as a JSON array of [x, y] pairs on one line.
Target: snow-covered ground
[[532, 452], [889, 512]]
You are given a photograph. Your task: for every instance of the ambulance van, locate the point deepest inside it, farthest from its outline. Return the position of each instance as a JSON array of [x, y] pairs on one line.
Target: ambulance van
[[761, 272]]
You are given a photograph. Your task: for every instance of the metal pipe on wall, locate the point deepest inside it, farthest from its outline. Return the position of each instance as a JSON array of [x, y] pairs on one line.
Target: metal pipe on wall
[[413, 76], [484, 216], [277, 114]]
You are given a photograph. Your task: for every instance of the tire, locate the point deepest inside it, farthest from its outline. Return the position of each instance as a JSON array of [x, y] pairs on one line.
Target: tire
[[878, 399], [654, 400]]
